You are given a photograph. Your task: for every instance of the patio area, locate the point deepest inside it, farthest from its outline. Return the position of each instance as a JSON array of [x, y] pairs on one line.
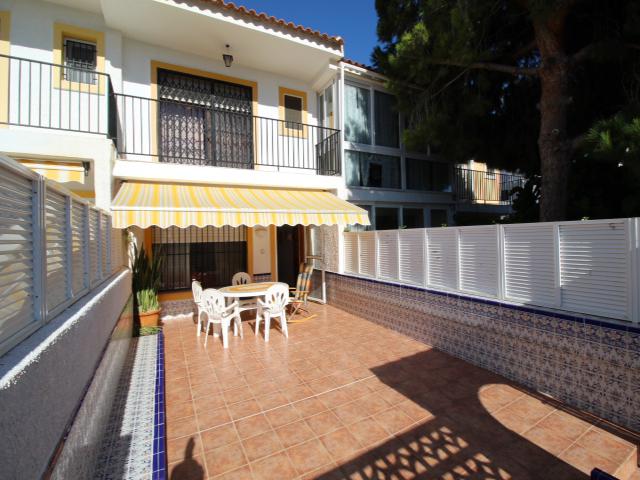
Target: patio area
[[346, 398]]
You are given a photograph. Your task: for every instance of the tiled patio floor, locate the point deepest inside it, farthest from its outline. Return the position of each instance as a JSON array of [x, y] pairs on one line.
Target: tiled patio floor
[[345, 398]]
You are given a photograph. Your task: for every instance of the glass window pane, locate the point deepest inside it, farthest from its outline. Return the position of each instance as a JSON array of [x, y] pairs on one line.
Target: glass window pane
[[386, 120], [438, 218], [412, 218], [292, 109], [371, 170], [80, 56], [428, 176], [386, 218], [357, 124]]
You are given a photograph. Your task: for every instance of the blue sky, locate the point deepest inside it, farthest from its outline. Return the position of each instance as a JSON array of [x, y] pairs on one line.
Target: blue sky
[[354, 20]]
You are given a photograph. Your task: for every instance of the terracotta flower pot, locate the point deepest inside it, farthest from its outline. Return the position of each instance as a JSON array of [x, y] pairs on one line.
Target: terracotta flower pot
[[150, 319]]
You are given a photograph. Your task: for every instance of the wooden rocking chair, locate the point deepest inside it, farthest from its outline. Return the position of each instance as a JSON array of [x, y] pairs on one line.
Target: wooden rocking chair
[[300, 294]]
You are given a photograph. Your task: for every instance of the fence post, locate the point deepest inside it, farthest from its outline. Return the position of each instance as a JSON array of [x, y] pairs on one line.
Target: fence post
[[39, 249]]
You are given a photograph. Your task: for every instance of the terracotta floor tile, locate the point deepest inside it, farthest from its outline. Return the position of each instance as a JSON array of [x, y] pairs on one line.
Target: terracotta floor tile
[[242, 473], [294, 433], [218, 437], [586, 460], [547, 440], [283, 415], [324, 422], [179, 410], [393, 420], [208, 403], [334, 398], [309, 407], [253, 425], [181, 427], [308, 456], [276, 466], [340, 443], [212, 418], [297, 393], [368, 432], [238, 394], [243, 409], [564, 424], [606, 445], [224, 459], [260, 446], [350, 413], [177, 449], [272, 400]]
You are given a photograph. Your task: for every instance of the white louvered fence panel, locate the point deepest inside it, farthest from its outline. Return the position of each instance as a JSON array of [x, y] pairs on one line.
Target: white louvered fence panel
[[479, 260], [17, 306], [56, 245], [594, 268], [412, 255], [117, 249], [367, 253], [105, 244], [529, 263], [442, 258], [351, 258], [94, 255], [387, 255], [78, 226]]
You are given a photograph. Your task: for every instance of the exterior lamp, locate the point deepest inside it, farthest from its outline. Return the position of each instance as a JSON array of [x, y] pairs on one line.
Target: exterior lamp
[[227, 58]]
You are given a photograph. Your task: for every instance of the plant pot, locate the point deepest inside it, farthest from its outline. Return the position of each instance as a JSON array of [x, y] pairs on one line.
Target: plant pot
[[150, 319]]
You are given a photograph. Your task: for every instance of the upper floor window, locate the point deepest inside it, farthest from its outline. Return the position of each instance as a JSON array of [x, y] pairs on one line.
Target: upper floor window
[[372, 170], [412, 217], [293, 108], [357, 120], [387, 123], [427, 176], [80, 56]]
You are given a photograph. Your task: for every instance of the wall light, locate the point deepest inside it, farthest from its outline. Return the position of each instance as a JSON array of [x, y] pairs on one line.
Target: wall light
[[227, 58]]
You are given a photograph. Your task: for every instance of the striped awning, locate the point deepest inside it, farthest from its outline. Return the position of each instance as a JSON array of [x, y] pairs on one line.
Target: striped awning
[[166, 205], [62, 172]]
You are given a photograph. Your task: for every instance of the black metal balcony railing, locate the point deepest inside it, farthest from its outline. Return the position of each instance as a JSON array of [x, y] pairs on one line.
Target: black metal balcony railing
[[476, 186], [59, 97], [62, 97], [200, 134]]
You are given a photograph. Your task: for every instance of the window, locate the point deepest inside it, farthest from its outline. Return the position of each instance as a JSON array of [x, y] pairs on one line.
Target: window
[[357, 121], [293, 111], [387, 123], [427, 176], [439, 218], [412, 217], [372, 170], [81, 51], [386, 218], [80, 56]]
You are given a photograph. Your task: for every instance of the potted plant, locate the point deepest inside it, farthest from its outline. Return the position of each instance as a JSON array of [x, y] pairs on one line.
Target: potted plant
[[146, 282]]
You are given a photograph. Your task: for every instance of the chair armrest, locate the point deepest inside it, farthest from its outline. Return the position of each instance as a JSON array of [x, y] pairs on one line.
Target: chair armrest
[[231, 306], [261, 303]]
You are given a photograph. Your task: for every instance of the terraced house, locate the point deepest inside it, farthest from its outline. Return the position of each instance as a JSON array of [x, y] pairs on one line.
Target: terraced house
[[223, 141]]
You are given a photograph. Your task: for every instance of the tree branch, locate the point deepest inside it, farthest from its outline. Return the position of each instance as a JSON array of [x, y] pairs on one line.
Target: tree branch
[[585, 52], [495, 67]]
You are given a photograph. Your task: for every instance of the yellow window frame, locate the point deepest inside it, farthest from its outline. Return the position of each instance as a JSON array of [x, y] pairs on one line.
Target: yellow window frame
[[291, 132], [60, 33]]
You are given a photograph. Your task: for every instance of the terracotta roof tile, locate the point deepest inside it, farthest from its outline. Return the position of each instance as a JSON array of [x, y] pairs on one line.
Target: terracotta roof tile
[[335, 42]]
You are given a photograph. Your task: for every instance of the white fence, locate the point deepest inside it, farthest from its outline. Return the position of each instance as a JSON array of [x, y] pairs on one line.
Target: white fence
[[590, 267], [54, 248]]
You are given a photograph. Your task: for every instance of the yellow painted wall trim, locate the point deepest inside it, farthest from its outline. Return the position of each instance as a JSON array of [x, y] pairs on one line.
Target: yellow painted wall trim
[[89, 194], [155, 65], [5, 49], [282, 91], [177, 295], [62, 31], [273, 243]]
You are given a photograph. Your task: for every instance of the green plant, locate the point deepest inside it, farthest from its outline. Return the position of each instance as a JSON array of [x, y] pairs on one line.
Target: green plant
[[146, 280]]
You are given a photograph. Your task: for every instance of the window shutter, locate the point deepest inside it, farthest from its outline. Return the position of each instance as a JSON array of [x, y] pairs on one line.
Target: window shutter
[[443, 258], [529, 263], [594, 268], [367, 253], [388, 255], [16, 254], [351, 252], [479, 260], [412, 256], [56, 244], [78, 283]]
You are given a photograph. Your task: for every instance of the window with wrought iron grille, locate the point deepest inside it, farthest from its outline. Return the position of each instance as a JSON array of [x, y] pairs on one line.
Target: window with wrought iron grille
[[80, 58]]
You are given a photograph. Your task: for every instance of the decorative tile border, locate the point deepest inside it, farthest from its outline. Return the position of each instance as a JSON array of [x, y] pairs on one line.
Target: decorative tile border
[[159, 425], [586, 363]]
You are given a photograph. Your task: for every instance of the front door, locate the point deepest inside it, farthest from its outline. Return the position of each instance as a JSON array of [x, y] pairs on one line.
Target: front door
[[204, 121], [289, 253]]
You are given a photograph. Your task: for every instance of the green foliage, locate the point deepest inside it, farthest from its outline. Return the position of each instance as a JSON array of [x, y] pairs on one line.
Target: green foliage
[[146, 280]]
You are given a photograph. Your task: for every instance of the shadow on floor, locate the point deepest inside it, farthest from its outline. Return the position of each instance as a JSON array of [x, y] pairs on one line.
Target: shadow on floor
[[459, 438], [188, 468]]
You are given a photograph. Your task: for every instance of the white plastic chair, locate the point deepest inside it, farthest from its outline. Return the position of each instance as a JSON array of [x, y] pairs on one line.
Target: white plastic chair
[[219, 313], [274, 305], [196, 288], [242, 278]]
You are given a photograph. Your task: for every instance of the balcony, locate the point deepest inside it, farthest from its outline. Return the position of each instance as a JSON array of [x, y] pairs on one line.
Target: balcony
[[485, 188], [58, 97]]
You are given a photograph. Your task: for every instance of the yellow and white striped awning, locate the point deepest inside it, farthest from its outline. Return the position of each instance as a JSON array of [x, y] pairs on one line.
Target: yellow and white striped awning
[[61, 172], [165, 205]]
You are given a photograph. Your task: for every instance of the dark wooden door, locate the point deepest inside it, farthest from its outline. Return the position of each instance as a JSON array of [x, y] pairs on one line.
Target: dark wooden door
[[289, 253]]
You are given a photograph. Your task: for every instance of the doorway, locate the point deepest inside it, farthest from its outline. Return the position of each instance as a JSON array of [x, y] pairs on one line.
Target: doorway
[[290, 253]]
